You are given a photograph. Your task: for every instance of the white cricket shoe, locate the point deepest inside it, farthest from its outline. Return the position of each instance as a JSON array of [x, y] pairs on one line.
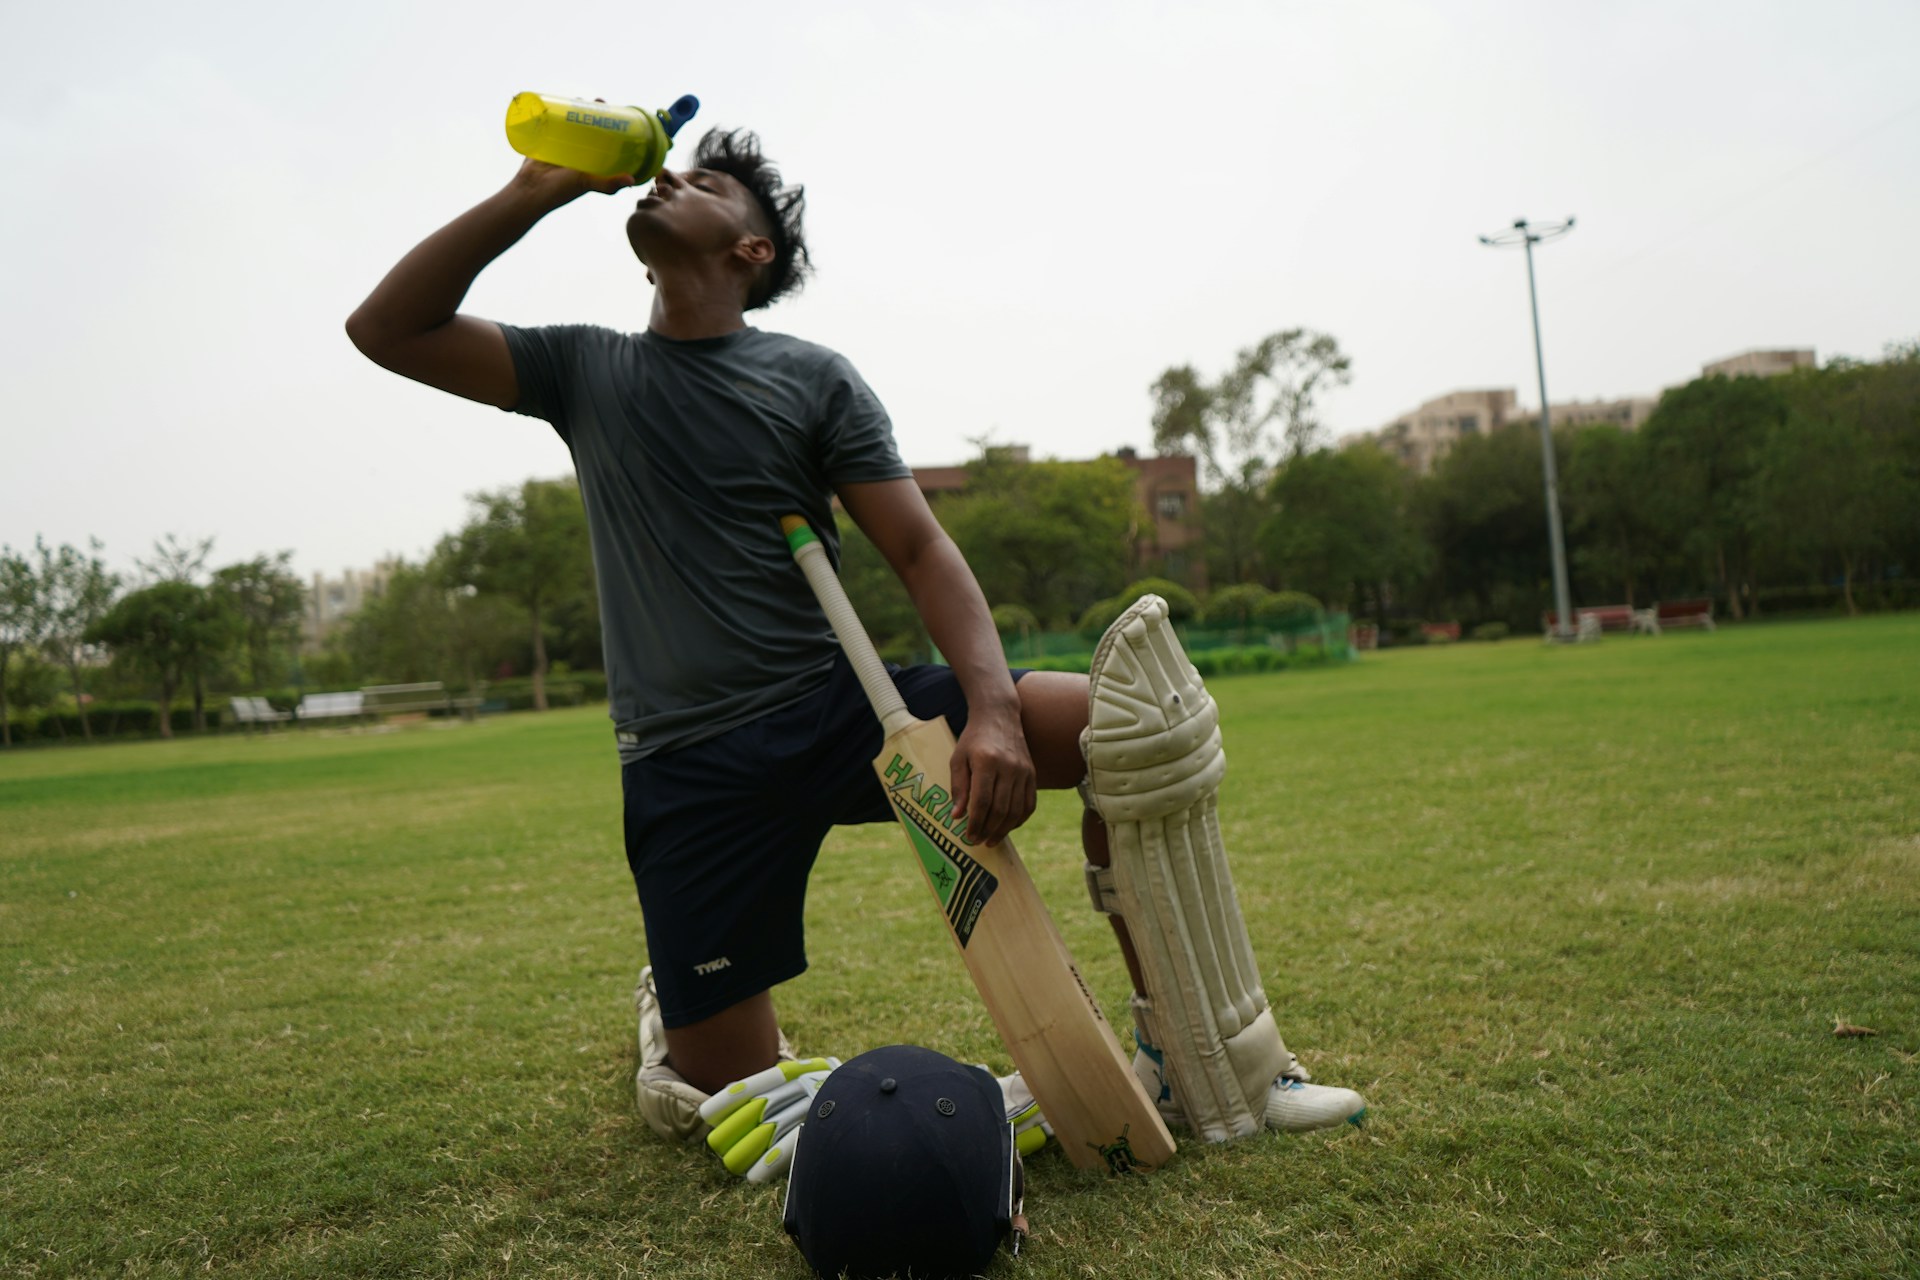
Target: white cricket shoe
[[1293, 1106], [1296, 1107]]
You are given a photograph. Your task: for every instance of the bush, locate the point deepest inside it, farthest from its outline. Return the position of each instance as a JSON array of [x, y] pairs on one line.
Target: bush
[[1014, 619], [1403, 631], [575, 689], [111, 720], [1292, 606], [1100, 615], [1182, 605], [1827, 598], [1238, 605], [1492, 631]]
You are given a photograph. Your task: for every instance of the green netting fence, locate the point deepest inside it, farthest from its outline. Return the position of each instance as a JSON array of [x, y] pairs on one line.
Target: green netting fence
[[1214, 650]]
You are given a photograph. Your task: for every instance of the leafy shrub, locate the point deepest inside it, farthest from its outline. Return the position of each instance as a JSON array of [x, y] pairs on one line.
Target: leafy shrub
[[578, 688], [1238, 605], [1074, 662], [1100, 615], [1014, 619], [1492, 631], [1404, 631], [110, 720], [1181, 605], [1292, 606]]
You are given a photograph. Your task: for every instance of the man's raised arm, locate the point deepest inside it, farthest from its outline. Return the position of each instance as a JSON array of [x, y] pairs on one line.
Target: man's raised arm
[[410, 322]]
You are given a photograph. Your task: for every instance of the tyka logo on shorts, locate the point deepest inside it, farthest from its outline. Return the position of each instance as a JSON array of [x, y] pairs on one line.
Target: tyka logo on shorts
[[712, 967]]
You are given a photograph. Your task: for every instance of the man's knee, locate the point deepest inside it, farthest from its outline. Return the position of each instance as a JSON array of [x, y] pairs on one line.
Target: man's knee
[[1053, 711]]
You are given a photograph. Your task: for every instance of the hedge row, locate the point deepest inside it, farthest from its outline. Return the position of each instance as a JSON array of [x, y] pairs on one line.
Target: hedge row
[[1208, 662], [107, 720]]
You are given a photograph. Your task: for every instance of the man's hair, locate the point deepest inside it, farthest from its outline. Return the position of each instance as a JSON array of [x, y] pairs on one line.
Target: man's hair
[[736, 153]]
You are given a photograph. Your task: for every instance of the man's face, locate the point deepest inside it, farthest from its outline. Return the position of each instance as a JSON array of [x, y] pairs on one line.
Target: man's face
[[691, 213]]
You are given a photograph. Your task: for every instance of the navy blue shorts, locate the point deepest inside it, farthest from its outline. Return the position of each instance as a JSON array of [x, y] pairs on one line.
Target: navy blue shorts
[[721, 835]]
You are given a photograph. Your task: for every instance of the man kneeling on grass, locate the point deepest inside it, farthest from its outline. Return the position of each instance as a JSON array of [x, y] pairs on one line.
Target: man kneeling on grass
[[743, 734]]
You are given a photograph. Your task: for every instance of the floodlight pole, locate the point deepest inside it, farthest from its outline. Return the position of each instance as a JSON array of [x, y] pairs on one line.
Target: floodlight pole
[[1527, 237]]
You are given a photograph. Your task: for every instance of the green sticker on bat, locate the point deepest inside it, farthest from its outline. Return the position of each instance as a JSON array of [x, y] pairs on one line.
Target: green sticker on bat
[[962, 885]]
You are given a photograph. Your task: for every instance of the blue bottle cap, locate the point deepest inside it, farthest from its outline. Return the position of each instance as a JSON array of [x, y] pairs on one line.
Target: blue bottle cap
[[679, 113]]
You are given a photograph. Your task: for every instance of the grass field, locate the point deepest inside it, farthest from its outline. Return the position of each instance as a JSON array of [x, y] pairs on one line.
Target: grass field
[[1578, 921]]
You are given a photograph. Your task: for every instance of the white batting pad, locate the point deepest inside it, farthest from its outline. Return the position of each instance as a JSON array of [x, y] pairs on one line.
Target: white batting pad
[[1154, 764]]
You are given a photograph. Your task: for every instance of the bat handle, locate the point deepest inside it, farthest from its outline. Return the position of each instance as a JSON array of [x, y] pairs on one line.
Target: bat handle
[[813, 561]]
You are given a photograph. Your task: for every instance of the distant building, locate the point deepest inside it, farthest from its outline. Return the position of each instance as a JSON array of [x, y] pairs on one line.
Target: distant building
[[1761, 362], [333, 600], [1421, 438], [1169, 544], [1628, 412], [1167, 488]]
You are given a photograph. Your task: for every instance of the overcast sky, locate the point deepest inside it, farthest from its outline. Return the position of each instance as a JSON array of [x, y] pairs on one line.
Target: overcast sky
[[1021, 214]]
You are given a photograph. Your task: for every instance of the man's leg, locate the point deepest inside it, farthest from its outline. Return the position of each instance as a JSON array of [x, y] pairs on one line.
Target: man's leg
[[726, 1047], [1053, 713], [732, 1044]]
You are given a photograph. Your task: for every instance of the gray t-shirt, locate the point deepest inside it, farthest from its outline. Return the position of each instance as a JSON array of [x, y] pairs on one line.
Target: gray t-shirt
[[688, 454]]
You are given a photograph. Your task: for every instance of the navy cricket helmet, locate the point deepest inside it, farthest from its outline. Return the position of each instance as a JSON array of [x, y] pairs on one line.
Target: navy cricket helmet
[[905, 1167]]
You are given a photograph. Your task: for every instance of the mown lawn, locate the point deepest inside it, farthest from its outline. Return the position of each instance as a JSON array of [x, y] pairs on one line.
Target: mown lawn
[[1578, 921]]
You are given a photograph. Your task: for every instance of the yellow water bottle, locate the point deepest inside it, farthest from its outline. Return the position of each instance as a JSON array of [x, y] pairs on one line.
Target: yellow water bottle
[[594, 137]]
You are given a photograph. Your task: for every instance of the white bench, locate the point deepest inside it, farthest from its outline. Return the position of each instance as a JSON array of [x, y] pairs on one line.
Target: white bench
[[403, 699], [331, 706], [426, 697], [252, 711]]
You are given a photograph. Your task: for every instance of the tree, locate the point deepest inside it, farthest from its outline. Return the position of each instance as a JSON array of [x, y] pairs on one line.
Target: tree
[[1483, 514], [267, 601], [76, 590], [185, 563], [1340, 527], [424, 625], [1825, 498], [530, 546], [167, 631], [22, 622], [1704, 440], [1262, 411], [1839, 478], [177, 561], [1606, 488], [1048, 535]]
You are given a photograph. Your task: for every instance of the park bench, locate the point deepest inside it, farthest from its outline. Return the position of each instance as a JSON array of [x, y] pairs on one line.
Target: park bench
[[247, 712], [1683, 613], [419, 699], [1608, 617], [1441, 631], [330, 706], [1590, 621]]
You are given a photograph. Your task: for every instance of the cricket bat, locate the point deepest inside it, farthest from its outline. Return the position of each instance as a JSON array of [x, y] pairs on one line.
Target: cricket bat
[[1059, 1039]]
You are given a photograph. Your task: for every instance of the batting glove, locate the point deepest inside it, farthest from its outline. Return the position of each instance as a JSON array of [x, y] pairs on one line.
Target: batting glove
[[1030, 1128], [754, 1119]]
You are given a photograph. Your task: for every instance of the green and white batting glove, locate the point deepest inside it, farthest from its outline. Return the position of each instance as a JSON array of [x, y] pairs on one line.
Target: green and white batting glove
[[754, 1119], [1030, 1128]]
